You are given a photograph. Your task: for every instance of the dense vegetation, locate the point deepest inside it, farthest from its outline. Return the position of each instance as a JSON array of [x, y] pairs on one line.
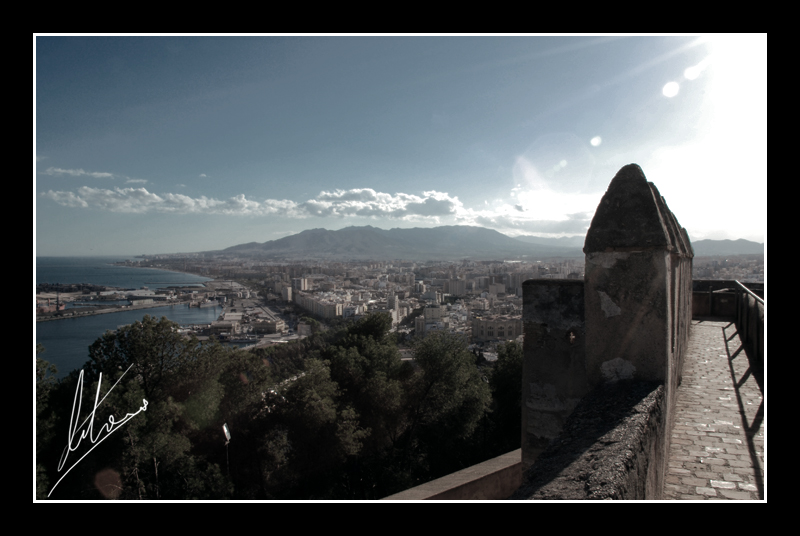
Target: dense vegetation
[[336, 415]]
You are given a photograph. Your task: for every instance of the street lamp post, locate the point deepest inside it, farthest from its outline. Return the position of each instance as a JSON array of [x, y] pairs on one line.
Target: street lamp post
[[227, 440]]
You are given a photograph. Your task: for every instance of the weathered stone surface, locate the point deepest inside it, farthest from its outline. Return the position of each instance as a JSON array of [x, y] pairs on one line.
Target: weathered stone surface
[[554, 369], [627, 312], [556, 303], [609, 448], [633, 325], [490, 480], [617, 369], [628, 215]]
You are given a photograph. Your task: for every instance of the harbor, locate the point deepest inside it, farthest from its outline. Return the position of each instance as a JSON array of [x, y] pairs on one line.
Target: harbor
[[99, 309], [209, 309], [67, 341]]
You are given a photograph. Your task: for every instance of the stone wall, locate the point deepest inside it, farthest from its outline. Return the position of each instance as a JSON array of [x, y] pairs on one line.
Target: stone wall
[[610, 448], [554, 371], [628, 321], [493, 479]]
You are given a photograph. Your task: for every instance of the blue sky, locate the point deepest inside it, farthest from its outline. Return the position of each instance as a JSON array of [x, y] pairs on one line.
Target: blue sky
[[164, 144]]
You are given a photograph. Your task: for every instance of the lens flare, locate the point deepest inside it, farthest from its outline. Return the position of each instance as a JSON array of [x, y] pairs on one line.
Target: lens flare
[[670, 89], [108, 483]]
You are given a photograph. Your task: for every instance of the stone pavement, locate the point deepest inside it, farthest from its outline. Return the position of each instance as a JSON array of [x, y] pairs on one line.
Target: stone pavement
[[717, 446]]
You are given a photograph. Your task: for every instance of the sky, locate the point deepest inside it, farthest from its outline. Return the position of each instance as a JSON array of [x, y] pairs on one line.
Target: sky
[[163, 144]]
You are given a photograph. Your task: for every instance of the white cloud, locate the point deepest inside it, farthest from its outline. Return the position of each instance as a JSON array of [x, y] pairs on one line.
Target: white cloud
[[77, 173], [431, 207], [506, 223], [68, 199], [364, 202]]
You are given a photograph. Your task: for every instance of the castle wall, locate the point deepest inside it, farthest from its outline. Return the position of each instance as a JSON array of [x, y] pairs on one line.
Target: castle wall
[[628, 321], [554, 370]]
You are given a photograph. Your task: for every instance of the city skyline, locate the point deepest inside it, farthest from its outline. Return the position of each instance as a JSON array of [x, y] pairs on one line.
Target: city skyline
[[164, 144]]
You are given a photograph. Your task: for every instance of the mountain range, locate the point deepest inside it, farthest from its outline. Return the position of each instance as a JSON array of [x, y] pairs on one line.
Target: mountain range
[[445, 243], [709, 248]]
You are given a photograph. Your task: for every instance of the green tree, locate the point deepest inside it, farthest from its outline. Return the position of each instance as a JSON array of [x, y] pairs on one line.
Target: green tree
[[365, 363], [506, 384], [45, 382], [182, 381], [321, 433], [447, 399], [316, 327], [375, 325]]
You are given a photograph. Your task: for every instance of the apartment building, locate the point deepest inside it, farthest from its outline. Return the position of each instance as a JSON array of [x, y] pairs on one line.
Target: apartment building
[[496, 327]]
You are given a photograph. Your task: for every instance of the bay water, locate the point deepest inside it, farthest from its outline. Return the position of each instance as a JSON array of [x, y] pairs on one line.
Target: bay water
[[66, 341]]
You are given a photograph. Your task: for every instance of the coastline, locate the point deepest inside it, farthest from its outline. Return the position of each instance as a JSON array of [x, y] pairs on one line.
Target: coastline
[[78, 313], [77, 275], [164, 270], [77, 268]]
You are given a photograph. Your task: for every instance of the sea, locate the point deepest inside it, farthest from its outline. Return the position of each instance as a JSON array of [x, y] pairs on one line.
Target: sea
[[66, 341]]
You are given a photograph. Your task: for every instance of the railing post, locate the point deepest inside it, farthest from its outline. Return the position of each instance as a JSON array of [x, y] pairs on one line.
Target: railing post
[[710, 301], [745, 327], [756, 332], [738, 306]]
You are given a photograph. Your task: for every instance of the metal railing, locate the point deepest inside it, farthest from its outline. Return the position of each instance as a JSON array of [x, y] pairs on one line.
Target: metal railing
[[750, 319]]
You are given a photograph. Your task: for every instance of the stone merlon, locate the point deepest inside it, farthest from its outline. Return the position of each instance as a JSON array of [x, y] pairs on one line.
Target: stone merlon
[[627, 321], [632, 214]]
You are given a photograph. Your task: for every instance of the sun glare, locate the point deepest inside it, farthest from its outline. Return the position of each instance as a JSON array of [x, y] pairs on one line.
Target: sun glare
[[670, 89], [729, 148]]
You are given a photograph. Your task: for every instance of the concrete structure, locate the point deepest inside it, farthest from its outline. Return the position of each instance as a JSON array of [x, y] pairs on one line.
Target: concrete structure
[[433, 318], [493, 479], [48, 305], [268, 326], [457, 287], [496, 327], [299, 284], [141, 300], [497, 288], [220, 327], [319, 306]]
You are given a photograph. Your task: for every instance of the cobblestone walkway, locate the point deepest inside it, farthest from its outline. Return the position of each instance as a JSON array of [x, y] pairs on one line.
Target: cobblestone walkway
[[717, 447]]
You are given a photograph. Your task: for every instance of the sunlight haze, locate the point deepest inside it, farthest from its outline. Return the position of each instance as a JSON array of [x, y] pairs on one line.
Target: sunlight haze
[[159, 144]]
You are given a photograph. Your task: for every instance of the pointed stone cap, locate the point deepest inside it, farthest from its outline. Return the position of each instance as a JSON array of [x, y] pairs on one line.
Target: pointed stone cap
[[632, 214]]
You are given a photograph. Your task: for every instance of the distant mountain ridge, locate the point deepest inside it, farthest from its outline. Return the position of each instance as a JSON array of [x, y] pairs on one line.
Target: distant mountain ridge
[[444, 242], [564, 241], [708, 248], [367, 242]]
